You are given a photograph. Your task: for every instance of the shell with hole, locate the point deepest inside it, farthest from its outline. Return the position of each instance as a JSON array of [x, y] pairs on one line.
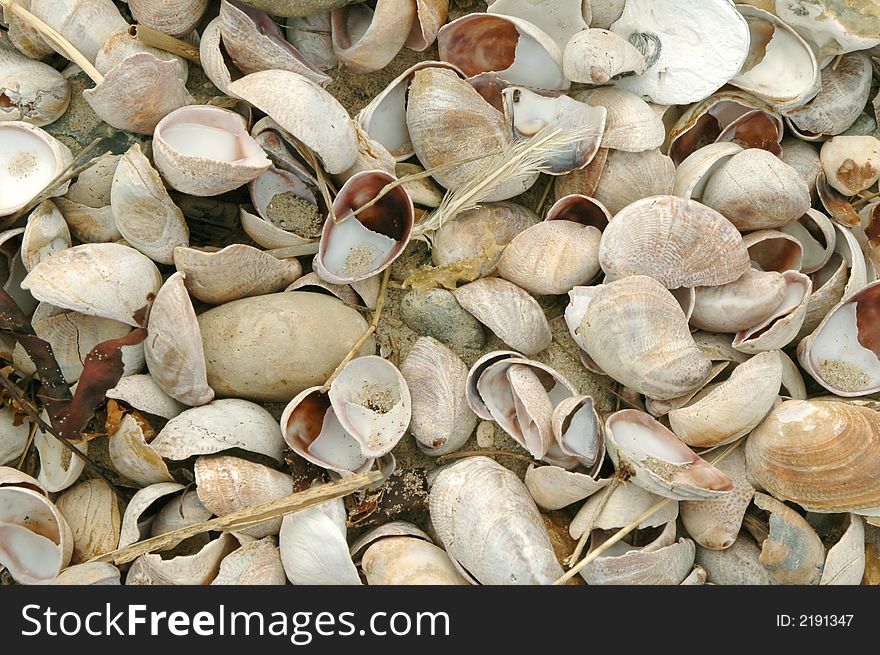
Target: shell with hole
[[31, 91], [29, 160], [441, 418], [580, 209], [637, 333], [205, 151], [511, 313], [174, 352], [774, 250], [357, 246], [818, 454], [487, 521], [658, 461]]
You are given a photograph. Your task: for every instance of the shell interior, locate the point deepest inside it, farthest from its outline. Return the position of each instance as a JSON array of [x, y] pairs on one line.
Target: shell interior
[[27, 164]]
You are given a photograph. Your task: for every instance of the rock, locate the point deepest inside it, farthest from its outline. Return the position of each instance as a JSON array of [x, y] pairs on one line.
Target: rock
[[272, 347], [436, 313]]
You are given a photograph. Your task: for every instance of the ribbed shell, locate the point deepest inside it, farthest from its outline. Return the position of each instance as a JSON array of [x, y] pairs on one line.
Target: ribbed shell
[[92, 512], [488, 522], [169, 16], [824, 456], [679, 242]]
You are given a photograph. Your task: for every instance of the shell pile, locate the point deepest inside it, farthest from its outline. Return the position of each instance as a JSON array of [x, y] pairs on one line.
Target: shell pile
[[548, 261]]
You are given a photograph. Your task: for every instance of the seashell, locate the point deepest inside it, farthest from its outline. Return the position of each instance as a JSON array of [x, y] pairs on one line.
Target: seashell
[[45, 234], [227, 484], [733, 408], [255, 43], [168, 16], [480, 235], [479, 43], [848, 248], [682, 71], [529, 113], [255, 563], [90, 573], [313, 431], [519, 395], [25, 38], [597, 56], [804, 158], [13, 438], [430, 16], [272, 347], [409, 561], [845, 561], [144, 213], [366, 39], [440, 107], [59, 468], [311, 282], [781, 69], [840, 352], [73, 335], [35, 541], [830, 470], [137, 519], [88, 224], [580, 209], [578, 433], [552, 487], [584, 181], [92, 512], [371, 156], [560, 20], [179, 512], [755, 129], [694, 173], [31, 91], [11, 477], [740, 304], [835, 203], [755, 190], [631, 125], [198, 569], [782, 325], [122, 45], [624, 505], [311, 36], [173, 350], [93, 184], [390, 529], [631, 176], [774, 250], [29, 160], [792, 381], [661, 562], [472, 394], [715, 523], [485, 518], [138, 92], [551, 257], [441, 420], [851, 163], [424, 191], [357, 246], [647, 235], [290, 209], [658, 462], [636, 332], [87, 24], [205, 151], [211, 56], [695, 577], [512, 314], [333, 139], [660, 408], [300, 8], [313, 547], [133, 456], [108, 280], [142, 393], [235, 272], [815, 232], [832, 27], [737, 565], [844, 92]]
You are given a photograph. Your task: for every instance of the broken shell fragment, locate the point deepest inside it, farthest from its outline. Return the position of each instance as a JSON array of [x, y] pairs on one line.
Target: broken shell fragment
[[552, 487], [623, 506], [580, 209], [31, 91], [577, 431], [737, 565], [845, 561], [92, 512], [815, 232], [45, 234], [596, 56], [197, 569], [774, 250], [255, 563], [313, 546], [134, 457]]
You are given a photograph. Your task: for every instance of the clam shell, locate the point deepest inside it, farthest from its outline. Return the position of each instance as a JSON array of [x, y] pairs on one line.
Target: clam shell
[[168, 16], [89, 224], [29, 159], [441, 420], [577, 430], [552, 487], [409, 561], [782, 325], [367, 39], [488, 522], [512, 314], [313, 547], [173, 349], [740, 304], [845, 561], [631, 124], [99, 279], [694, 173], [32, 91], [472, 394], [631, 176], [134, 457], [91, 510], [45, 234], [255, 563], [218, 426]]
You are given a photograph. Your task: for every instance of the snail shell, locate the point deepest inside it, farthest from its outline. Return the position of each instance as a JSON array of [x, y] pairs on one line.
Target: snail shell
[[597, 56]]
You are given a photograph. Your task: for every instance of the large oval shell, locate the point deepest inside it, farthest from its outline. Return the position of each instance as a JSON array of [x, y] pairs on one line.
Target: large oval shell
[[409, 561]]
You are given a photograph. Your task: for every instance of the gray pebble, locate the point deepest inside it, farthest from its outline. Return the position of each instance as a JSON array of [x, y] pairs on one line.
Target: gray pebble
[[436, 313]]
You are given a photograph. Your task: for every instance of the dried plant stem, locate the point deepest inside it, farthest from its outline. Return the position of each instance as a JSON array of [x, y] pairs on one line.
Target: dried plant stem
[[588, 529], [377, 314], [56, 39], [632, 525], [246, 517], [546, 194], [156, 39], [487, 453], [298, 250], [866, 199], [27, 446]]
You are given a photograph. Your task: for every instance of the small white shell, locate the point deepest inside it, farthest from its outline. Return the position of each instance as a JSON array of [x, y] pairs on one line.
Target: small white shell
[[409, 561], [59, 468], [597, 56], [255, 563], [45, 234], [198, 569], [313, 546], [552, 487], [133, 457], [626, 503]]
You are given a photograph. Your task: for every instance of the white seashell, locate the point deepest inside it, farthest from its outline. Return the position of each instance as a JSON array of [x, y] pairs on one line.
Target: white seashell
[[511, 313], [91, 510], [136, 526], [145, 215], [367, 39], [694, 173], [311, 36], [845, 561], [311, 282], [13, 438], [29, 159], [577, 430], [851, 163], [552, 487], [597, 56], [781, 327], [87, 24], [441, 419], [658, 462], [631, 124], [88, 224], [122, 45], [211, 56], [488, 522], [792, 381], [133, 457], [313, 547], [144, 394], [45, 234], [32, 91], [179, 512], [832, 27], [740, 304], [59, 468], [560, 20], [255, 563], [91, 573], [217, 426], [804, 158], [580, 209], [817, 237], [409, 561], [99, 279], [625, 503], [168, 16]]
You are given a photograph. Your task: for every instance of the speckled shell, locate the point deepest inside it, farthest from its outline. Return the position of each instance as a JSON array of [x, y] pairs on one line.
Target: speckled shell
[[736, 565]]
